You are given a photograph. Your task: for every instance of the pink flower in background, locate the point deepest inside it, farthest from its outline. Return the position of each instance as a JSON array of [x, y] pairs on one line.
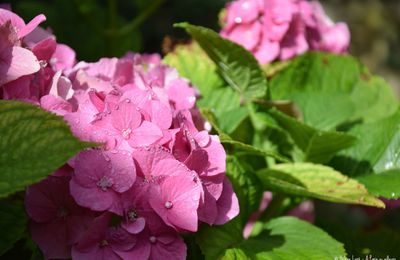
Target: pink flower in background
[[280, 30]]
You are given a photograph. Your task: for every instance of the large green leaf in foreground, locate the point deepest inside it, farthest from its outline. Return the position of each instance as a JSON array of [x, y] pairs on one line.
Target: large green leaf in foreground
[[33, 144], [236, 65], [283, 238], [317, 181]]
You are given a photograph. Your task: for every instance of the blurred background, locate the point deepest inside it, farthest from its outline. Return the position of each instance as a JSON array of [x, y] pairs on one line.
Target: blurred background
[[96, 28]]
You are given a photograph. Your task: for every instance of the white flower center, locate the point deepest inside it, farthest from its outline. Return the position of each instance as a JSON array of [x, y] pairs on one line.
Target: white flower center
[[126, 133], [104, 183]]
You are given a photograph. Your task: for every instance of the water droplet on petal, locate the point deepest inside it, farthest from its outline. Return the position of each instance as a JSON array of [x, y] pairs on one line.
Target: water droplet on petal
[[153, 239], [43, 63], [238, 20], [127, 100], [192, 99], [207, 126], [168, 205]]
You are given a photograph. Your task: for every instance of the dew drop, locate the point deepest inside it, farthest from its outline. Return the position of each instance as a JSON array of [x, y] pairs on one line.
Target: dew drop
[[207, 126], [168, 205], [192, 99], [127, 100], [153, 239], [43, 63], [238, 20], [393, 194]]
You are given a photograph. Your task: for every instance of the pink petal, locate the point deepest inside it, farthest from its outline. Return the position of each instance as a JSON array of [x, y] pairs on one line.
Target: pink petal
[[55, 104], [44, 49], [228, 204], [123, 171], [16, 62], [174, 250], [242, 11], [181, 94], [90, 166], [31, 25], [160, 114], [247, 35], [36, 36], [197, 161], [216, 157], [16, 21], [267, 51], [208, 210], [146, 134], [134, 227], [184, 195], [137, 96], [93, 198], [52, 239], [63, 58], [170, 167], [126, 117], [146, 159]]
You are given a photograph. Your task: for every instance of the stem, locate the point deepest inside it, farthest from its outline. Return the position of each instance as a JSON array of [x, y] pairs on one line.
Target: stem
[[128, 28], [273, 208]]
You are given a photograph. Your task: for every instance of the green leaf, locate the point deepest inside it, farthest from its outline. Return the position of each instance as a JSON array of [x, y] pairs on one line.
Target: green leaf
[[339, 86], [384, 184], [213, 241], [246, 184], [13, 223], [225, 103], [226, 139], [283, 238], [33, 144], [318, 146], [193, 64], [378, 149], [236, 65], [317, 181]]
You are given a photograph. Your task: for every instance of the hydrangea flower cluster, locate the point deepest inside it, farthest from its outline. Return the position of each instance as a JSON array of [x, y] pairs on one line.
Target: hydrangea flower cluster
[[282, 29], [158, 172]]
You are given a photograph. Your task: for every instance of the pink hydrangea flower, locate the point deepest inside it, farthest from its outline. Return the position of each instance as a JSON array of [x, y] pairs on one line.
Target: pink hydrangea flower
[[156, 173], [15, 61], [57, 221], [174, 190], [99, 179], [280, 30], [103, 242]]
